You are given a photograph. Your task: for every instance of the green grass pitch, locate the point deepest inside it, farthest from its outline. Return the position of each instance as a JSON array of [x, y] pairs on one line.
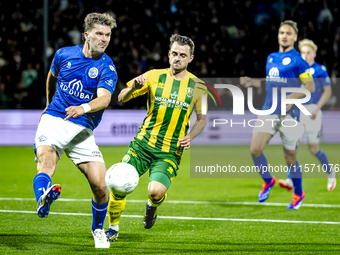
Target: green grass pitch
[[229, 221]]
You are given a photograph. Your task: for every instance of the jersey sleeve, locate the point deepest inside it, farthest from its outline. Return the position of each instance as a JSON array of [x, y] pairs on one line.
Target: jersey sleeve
[[324, 77], [146, 86], [108, 78], [303, 70], [55, 65], [198, 97]]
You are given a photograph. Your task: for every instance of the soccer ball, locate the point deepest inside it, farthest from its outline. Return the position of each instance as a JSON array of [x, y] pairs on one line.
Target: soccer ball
[[121, 179]]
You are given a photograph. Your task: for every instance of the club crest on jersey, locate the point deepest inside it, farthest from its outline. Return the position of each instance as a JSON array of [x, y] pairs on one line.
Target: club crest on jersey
[[286, 61], [126, 158], [42, 138], [93, 72], [190, 92]]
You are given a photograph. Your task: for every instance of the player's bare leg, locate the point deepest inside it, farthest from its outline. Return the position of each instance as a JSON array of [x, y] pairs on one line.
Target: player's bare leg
[[45, 192], [157, 195], [95, 174]]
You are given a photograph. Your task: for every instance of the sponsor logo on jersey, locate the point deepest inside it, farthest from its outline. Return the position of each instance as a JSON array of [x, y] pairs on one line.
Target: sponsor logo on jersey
[[311, 70], [97, 154], [274, 75], [286, 61], [109, 82], [93, 72], [75, 88], [173, 95], [172, 103], [112, 68], [270, 60]]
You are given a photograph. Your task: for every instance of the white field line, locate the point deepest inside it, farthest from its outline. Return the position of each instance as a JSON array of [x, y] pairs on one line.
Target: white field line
[[186, 202], [189, 218]]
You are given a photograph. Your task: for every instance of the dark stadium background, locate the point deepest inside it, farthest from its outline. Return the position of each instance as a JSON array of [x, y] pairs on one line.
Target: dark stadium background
[[232, 38]]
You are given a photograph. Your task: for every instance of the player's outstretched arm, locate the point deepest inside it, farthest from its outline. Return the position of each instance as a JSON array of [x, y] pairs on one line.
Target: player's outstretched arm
[[195, 131], [247, 82], [101, 102], [310, 86], [51, 83], [126, 94]]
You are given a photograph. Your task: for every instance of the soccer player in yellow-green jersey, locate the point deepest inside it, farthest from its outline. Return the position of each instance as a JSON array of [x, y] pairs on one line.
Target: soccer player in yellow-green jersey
[[172, 96]]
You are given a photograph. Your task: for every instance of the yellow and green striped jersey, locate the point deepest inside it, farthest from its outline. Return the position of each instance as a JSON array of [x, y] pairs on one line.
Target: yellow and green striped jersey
[[170, 104]]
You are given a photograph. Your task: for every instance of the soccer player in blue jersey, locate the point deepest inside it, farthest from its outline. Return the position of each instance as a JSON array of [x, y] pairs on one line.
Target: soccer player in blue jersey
[[282, 69], [83, 78], [312, 124]]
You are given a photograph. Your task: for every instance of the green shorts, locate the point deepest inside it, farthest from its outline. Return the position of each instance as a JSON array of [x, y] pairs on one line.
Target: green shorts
[[163, 166]]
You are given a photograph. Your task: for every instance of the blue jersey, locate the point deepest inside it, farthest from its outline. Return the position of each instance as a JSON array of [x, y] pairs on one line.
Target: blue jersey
[[321, 79], [283, 70], [79, 78]]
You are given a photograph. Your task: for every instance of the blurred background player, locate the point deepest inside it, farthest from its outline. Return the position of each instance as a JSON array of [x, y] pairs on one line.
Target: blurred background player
[[282, 69], [312, 124], [83, 78], [173, 94]]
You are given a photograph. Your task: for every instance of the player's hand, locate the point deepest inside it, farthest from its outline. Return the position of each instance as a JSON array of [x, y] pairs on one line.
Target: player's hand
[[74, 112], [185, 141], [138, 82], [288, 107], [314, 113], [246, 81]]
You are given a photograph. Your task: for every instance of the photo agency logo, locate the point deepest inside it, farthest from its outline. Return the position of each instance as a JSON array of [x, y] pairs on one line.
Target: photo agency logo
[[238, 108]]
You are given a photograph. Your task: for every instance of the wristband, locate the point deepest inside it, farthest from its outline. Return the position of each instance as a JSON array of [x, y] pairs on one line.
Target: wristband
[[86, 107]]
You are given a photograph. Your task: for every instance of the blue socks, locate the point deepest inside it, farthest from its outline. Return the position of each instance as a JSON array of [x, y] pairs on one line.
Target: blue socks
[[99, 214], [261, 163], [295, 173], [323, 160], [41, 182]]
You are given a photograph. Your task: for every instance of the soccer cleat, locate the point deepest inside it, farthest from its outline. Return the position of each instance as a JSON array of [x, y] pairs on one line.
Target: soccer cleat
[[111, 234], [264, 193], [46, 199], [100, 239], [331, 181], [150, 216], [288, 184], [296, 201]]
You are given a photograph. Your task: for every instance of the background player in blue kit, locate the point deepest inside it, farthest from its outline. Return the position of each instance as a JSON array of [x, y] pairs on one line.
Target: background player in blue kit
[[312, 124], [84, 79], [282, 69]]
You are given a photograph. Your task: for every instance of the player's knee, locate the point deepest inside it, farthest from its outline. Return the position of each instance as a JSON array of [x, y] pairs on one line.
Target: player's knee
[[101, 192], [156, 193], [313, 150], [255, 151]]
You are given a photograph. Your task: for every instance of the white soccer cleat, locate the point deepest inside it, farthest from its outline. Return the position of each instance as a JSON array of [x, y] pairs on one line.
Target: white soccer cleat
[[100, 239], [288, 184], [331, 181]]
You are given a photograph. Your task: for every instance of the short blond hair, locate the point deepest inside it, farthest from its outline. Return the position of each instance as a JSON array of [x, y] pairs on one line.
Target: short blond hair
[[98, 18], [309, 43], [291, 23]]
